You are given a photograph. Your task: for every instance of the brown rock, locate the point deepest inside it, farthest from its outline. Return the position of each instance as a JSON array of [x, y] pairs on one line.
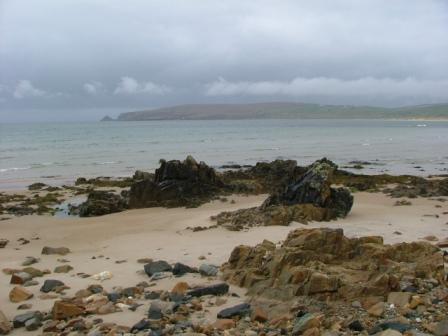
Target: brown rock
[[321, 283], [224, 324], [34, 272], [19, 294], [107, 308], [399, 299], [180, 288], [63, 269], [55, 250], [377, 309], [20, 278], [312, 332], [259, 315], [5, 325], [63, 310]]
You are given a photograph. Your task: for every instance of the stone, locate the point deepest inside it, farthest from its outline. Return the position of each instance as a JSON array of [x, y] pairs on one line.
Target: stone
[[50, 285], [224, 324], [63, 310], [389, 332], [99, 203], [3, 243], [30, 261], [259, 315], [376, 310], [5, 325], [20, 320], [155, 311], [441, 328], [33, 324], [63, 269], [399, 299], [321, 283], [55, 250], [391, 325], [208, 270], [20, 278], [25, 306], [34, 272], [180, 269], [305, 322], [238, 310], [180, 288], [157, 267], [19, 294], [217, 289], [107, 308], [356, 325]]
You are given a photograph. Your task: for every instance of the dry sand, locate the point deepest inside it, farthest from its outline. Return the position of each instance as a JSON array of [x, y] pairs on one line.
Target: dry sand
[[161, 234]]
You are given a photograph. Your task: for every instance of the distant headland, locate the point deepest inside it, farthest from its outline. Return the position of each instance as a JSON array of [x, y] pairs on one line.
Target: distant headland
[[284, 110]]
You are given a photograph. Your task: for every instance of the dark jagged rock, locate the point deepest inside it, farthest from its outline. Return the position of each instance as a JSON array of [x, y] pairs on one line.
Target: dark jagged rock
[[218, 289], [50, 285], [238, 310], [176, 183], [101, 203], [308, 198], [180, 269], [37, 186], [157, 267], [324, 263]]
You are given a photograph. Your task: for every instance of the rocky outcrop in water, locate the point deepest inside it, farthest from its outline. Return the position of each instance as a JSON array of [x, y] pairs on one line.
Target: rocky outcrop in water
[[326, 264], [308, 198], [176, 183]]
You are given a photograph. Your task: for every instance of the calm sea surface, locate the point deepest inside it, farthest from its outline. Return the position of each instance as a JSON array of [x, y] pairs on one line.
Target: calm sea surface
[[57, 153]]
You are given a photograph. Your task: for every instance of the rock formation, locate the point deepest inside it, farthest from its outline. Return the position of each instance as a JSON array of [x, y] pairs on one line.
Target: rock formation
[[326, 264], [309, 197], [100, 203], [176, 183]]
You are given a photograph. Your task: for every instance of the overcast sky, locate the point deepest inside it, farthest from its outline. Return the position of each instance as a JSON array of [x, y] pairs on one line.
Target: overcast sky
[[80, 59]]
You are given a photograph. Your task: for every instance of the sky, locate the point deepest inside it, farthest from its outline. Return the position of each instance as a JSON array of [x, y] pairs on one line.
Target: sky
[[68, 60]]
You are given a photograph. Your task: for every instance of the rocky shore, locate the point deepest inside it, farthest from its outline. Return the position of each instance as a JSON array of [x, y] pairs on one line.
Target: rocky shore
[[190, 250]]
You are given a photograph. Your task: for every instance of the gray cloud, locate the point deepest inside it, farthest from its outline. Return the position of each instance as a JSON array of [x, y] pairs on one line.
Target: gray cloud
[[128, 55]]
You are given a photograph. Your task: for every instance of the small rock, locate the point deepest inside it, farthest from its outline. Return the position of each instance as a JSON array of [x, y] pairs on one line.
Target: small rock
[[305, 322], [55, 250], [356, 325], [259, 315], [51, 285], [63, 310], [24, 306], [20, 278], [224, 324], [20, 320], [238, 310], [377, 309], [3, 243], [180, 269], [63, 269], [180, 288], [33, 324], [5, 325], [399, 299], [218, 289], [30, 261], [441, 328], [105, 275], [19, 294], [156, 267], [208, 270]]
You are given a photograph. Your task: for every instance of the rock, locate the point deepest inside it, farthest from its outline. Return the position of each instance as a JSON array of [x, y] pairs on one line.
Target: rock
[[377, 309], [155, 311], [259, 315], [20, 278], [217, 289], [55, 250], [30, 261], [104, 275], [63, 310], [3, 242], [31, 283], [224, 324], [180, 288], [34, 272], [389, 332], [391, 325], [157, 267], [399, 299], [101, 203], [37, 186], [208, 270], [5, 325], [180, 269], [160, 276], [33, 324], [63, 269], [323, 263], [441, 328], [20, 320], [356, 325], [19, 294], [313, 187], [25, 306], [107, 308], [306, 322], [176, 183], [238, 310], [50, 285]]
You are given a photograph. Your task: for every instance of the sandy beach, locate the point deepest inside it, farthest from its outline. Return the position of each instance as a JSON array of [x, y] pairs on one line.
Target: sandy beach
[[160, 233]]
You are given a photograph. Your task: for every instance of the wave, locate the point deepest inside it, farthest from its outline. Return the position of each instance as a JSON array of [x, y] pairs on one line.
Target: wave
[[5, 170]]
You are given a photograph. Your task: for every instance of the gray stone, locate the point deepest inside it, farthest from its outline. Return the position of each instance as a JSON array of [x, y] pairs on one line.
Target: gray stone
[[208, 270], [50, 285]]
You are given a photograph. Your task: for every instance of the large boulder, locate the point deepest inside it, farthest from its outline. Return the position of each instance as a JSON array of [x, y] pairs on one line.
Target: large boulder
[[176, 183], [324, 263], [101, 203]]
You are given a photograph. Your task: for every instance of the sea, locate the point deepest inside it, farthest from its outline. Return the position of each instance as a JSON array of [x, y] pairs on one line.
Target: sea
[[58, 153]]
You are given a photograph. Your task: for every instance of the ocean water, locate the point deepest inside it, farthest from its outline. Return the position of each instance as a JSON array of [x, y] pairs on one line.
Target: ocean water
[[58, 153]]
